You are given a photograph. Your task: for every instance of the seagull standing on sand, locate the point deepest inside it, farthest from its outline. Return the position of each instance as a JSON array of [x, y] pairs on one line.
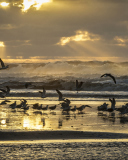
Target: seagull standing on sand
[[43, 94], [3, 65], [78, 85], [82, 107], [52, 107], [109, 75], [13, 105]]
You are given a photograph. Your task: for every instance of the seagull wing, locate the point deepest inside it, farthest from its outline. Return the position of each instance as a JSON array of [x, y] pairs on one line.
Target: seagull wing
[[2, 63], [113, 78], [104, 75], [3, 90]]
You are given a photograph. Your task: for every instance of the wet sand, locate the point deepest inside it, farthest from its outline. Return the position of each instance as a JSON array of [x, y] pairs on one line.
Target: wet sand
[[49, 135]]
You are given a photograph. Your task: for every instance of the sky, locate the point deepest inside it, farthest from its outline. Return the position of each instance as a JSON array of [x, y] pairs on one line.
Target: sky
[[50, 29]]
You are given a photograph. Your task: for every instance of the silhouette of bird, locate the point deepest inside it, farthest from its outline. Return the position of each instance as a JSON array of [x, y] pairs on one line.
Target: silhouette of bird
[[103, 107], [43, 94], [78, 85], [82, 107], [3, 65], [7, 91], [113, 102], [44, 108], [13, 105], [109, 75], [52, 107], [60, 95], [4, 102]]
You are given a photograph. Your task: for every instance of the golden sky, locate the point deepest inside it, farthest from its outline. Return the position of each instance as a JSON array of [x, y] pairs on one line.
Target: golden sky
[[64, 28]]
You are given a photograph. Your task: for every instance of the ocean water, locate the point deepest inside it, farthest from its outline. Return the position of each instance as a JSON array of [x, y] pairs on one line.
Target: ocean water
[[62, 75]]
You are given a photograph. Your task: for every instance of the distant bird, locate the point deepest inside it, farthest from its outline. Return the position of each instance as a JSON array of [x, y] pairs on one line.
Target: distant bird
[[113, 102], [7, 91], [52, 107], [43, 94], [78, 85], [103, 107], [13, 105], [27, 84], [35, 106], [4, 102], [65, 104], [109, 75], [82, 107], [60, 95], [3, 65], [44, 108]]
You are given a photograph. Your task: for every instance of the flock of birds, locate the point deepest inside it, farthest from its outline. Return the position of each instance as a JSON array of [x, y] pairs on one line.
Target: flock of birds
[[65, 105]]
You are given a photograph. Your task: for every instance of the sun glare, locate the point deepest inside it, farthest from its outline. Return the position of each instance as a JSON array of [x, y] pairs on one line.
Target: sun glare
[[35, 3], [4, 4], [2, 44]]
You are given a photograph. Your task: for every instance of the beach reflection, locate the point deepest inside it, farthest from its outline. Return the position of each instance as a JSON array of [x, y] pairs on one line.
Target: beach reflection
[[36, 119]]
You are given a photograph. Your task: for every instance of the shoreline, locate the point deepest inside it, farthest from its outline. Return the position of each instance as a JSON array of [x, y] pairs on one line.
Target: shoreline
[[59, 135]]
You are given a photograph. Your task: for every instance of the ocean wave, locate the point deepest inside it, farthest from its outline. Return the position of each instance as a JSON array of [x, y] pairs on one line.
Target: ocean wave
[[62, 75]]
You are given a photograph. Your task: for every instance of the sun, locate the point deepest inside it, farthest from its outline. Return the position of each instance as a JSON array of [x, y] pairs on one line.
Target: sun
[[4, 4], [35, 3]]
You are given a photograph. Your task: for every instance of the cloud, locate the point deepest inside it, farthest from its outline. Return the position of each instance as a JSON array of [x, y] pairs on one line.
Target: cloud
[[121, 41], [80, 36]]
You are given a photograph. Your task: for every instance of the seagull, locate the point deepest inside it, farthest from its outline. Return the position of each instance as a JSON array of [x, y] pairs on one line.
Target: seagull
[[44, 108], [43, 94], [105, 75], [4, 102], [3, 65], [52, 107], [78, 85], [82, 107], [113, 102], [103, 107], [65, 104], [13, 105], [60, 95], [6, 91]]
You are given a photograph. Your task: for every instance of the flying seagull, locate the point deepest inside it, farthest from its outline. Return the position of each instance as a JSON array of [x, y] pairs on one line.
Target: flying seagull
[[106, 75], [60, 95], [3, 65], [78, 85]]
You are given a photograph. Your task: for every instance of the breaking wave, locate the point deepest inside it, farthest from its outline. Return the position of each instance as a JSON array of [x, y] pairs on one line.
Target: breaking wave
[[63, 75]]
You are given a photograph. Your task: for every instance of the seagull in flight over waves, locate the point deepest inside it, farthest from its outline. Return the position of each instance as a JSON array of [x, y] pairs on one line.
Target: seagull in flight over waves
[[43, 94], [3, 65], [60, 95], [109, 75], [78, 85]]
